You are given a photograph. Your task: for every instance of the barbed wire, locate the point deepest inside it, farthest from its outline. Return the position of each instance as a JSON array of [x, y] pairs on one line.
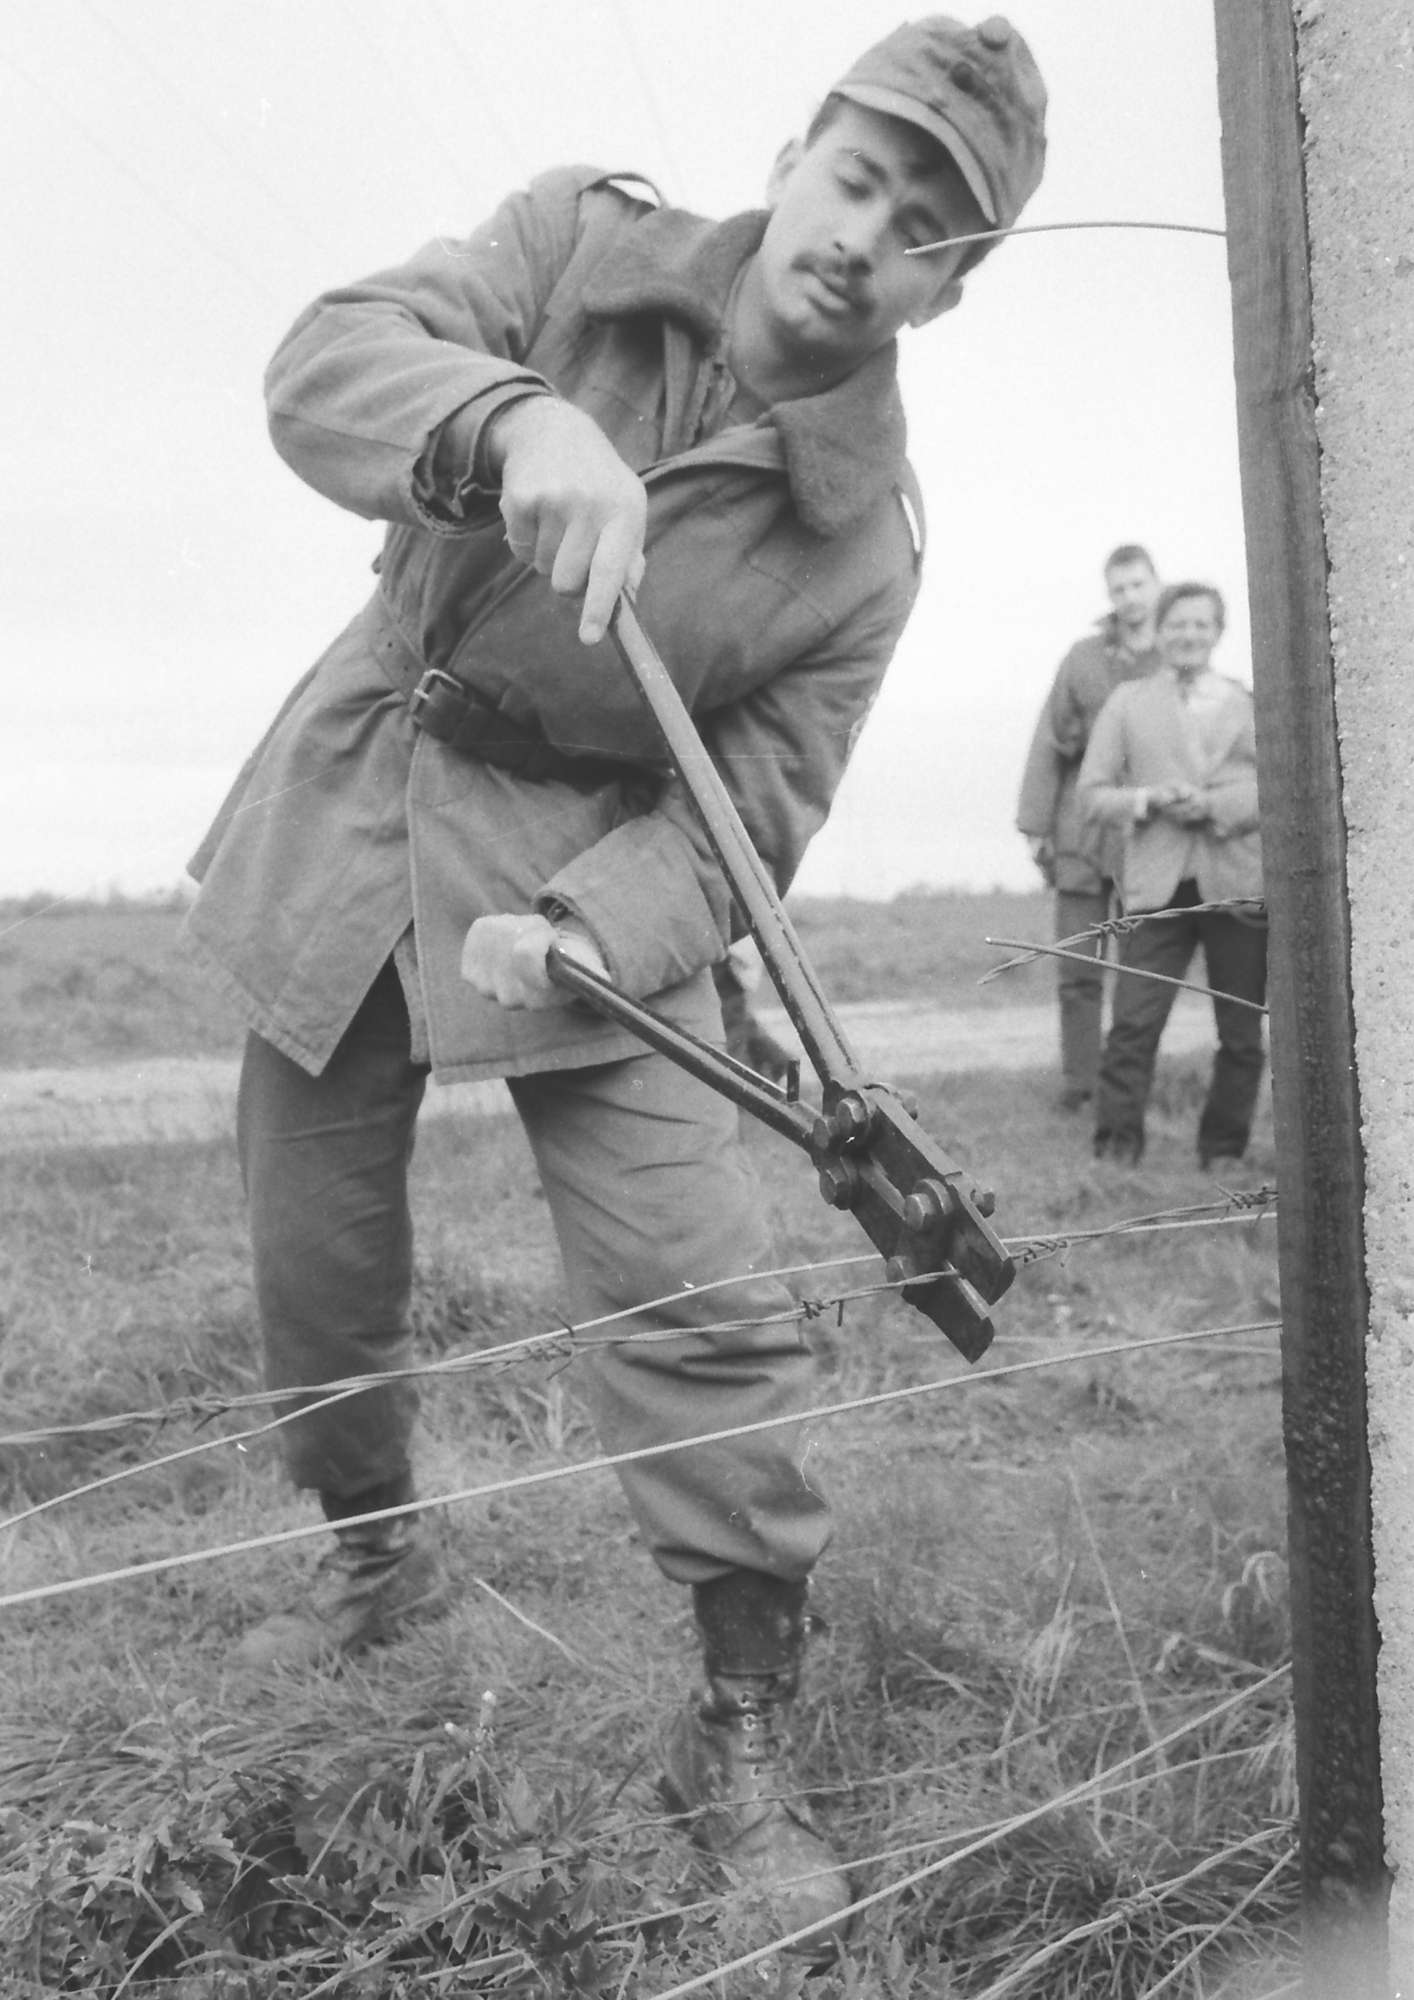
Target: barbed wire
[[1107, 927], [207, 1406], [1125, 971], [1236, 1205], [1245, 1205], [1061, 228], [607, 1461], [567, 1344]]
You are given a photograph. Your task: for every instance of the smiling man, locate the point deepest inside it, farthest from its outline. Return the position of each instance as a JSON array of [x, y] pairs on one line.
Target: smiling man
[[590, 393]]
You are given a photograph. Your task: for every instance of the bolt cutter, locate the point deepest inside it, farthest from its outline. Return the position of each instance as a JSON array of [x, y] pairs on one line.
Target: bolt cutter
[[918, 1207]]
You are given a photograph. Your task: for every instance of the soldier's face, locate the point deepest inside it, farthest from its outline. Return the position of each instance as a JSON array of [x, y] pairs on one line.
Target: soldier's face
[[835, 281]]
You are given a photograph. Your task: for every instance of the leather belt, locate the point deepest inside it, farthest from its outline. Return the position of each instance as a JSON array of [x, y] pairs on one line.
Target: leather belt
[[445, 707]]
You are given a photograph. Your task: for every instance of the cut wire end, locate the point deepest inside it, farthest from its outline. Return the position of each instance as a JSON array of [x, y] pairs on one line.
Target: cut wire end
[[1052, 228]]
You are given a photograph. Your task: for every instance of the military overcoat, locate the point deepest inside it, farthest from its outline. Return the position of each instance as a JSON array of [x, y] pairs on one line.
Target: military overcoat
[[782, 563]]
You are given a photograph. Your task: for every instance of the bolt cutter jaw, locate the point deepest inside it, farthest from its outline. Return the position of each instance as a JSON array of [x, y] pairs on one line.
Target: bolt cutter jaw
[[875, 1159]]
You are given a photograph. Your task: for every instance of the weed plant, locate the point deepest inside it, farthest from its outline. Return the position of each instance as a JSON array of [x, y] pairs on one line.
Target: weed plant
[[1035, 1579]]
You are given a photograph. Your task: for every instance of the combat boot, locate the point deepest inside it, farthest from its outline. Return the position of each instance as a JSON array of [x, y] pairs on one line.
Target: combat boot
[[374, 1581], [726, 1759]]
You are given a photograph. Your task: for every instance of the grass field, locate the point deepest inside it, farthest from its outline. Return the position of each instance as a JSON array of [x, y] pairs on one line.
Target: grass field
[[84, 983], [1034, 1578]]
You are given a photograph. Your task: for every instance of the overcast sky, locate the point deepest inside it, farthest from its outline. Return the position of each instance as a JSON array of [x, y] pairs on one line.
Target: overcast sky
[[186, 174]]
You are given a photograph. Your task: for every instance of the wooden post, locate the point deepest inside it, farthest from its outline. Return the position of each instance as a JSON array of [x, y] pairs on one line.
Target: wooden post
[[1320, 1164]]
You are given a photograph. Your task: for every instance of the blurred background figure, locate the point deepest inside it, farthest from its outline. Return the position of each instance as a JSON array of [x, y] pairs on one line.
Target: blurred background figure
[[1172, 766], [1081, 862]]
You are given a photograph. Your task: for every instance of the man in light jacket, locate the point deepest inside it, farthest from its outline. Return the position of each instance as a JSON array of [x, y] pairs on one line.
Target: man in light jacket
[[1173, 763], [1079, 859], [591, 392]]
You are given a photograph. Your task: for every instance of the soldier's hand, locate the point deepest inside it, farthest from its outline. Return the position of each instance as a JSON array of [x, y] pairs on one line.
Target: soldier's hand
[[504, 959], [573, 510]]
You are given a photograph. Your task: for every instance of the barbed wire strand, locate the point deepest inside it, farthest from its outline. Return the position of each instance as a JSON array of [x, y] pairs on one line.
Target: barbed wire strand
[[537, 1346], [604, 1462], [546, 1345], [448, 1364], [1237, 1205], [1060, 228], [1122, 971], [1038, 1248], [1074, 1795], [1115, 927], [357, 1386]]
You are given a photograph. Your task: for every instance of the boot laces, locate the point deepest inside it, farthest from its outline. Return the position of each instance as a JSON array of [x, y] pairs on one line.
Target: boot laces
[[761, 1720]]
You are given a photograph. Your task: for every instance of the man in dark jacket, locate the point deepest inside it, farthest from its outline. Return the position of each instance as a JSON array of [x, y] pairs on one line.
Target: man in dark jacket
[[1079, 861], [591, 393]]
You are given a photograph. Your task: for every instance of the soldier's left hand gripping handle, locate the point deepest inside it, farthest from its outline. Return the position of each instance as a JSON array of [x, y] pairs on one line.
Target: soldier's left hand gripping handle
[[915, 1203]]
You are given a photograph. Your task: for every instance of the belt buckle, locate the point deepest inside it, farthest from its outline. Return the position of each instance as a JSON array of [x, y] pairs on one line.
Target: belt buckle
[[433, 682]]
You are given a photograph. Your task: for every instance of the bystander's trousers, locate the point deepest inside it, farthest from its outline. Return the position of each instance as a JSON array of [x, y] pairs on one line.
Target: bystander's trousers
[[1235, 951], [1081, 990], [650, 1192]]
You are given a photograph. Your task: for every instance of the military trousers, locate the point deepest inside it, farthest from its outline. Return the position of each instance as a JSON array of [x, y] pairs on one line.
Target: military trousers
[[652, 1196]]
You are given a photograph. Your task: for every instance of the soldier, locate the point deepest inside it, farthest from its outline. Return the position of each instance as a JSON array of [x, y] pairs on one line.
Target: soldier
[[1081, 862], [590, 393]]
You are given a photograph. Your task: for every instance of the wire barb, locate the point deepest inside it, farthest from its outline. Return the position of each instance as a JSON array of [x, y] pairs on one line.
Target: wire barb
[[609, 1461]]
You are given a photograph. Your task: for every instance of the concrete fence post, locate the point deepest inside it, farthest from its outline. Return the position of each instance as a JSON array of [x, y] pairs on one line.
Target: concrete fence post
[[1318, 161]]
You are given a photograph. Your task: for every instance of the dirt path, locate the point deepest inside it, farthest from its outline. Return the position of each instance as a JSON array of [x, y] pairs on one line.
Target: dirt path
[[177, 1098]]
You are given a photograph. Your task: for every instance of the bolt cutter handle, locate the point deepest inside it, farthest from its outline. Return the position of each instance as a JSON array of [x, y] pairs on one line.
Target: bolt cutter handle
[[914, 1202]]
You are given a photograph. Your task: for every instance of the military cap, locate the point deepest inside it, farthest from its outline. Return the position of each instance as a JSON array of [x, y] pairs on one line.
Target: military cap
[[976, 90]]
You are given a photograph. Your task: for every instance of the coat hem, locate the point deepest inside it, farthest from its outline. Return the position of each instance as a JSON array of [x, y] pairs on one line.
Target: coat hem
[[255, 1013], [586, 1053]]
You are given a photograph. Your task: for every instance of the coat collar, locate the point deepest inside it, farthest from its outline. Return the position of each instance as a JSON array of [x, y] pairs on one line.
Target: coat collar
[[844, 449]]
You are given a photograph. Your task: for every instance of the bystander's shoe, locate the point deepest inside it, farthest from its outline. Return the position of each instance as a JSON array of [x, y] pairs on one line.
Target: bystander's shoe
[[366, 1590], [725, 1765], [1217, 1163], [1075, 1097], [1125, 1148]]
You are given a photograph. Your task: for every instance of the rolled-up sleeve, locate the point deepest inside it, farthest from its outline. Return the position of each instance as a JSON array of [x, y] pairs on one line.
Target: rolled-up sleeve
[[360, 388]]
